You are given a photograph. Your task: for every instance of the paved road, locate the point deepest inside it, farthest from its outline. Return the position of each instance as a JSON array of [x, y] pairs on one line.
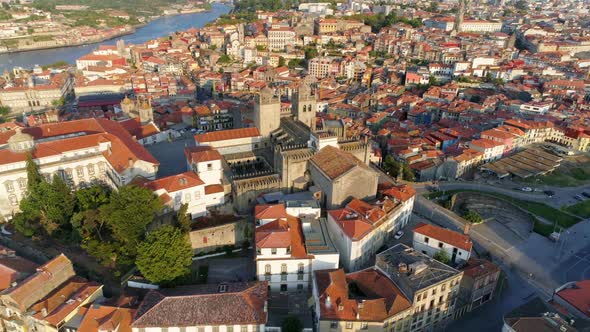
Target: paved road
[[563, 196]]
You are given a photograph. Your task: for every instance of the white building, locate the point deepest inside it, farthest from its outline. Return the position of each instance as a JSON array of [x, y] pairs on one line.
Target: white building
[[231, 140], [430, 239], [187, 188], [491, 150], [289, 250], [279, 38], [360, 229], [81, 152]]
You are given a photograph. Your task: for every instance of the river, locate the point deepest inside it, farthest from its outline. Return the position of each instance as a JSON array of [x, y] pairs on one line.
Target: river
[[160, 27]]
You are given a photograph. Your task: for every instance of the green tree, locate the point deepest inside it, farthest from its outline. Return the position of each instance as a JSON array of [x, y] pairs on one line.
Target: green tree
[[408, 173], [391, 166], [442, 256], [213, 47], [281, 61], [129, 211], [294, 63], [473, 217], [4, 111], [165, 255], [224, 58], [183, 219], [34, 177], [56, 204], [311, 52], [92, 197], [292, 324]]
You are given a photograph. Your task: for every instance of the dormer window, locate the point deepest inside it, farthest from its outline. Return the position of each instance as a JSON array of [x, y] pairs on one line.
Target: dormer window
[[273, 251], [222, 288]]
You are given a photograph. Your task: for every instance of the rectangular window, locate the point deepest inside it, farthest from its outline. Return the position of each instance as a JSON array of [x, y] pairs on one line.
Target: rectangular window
[[22, 183], [333, 325], [197, 195], [80, 172], [426, 240], [209, 167], [244, 328], [348, 325], [187, 197], [229, 328], [90, 169], [364, 326], [273, 251], [440, 244], [9, 187]]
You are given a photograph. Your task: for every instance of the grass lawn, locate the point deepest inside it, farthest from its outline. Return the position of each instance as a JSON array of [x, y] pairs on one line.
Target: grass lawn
[[542, 210], [574, 177], [581, 209]]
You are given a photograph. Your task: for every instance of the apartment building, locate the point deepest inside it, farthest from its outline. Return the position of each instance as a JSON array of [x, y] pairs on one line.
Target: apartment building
[[360, 229], [48, 299], [80, 152], [431, 286], [491, 150], [289, 249], [430, 239], [478, 285], [279, 38], [366, 300]]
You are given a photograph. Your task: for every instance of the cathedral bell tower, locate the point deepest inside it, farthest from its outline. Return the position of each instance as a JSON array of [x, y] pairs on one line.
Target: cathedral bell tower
[[267, 112], [305, 104]]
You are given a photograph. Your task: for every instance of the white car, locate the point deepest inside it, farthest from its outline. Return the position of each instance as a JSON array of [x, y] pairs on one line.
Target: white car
[[527, 189], [398, 235]]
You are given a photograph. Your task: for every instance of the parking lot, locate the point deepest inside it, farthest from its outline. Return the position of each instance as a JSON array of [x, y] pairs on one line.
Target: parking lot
[[171, 155]]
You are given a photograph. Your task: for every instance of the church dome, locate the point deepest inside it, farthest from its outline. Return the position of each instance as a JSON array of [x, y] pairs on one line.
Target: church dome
[[21, 142]]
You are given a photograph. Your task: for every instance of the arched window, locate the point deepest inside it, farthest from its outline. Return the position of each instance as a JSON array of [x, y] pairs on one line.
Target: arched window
[[304, 108]]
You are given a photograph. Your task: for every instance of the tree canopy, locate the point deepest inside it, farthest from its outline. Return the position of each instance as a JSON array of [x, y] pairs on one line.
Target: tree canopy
[[165, 255], [442, 256], [292, 324], [129, 211]]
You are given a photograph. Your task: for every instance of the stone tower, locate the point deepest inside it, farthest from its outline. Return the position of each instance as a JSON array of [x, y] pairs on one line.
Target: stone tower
[[146, 113], [267, 112], [459, 18], [305, 105], [128, 106]]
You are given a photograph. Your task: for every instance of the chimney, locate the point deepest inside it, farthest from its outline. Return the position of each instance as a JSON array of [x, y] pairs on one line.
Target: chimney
[[130, 161], [466, 229]]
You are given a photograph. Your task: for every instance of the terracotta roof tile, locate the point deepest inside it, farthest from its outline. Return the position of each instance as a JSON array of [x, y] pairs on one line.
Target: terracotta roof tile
[[175, 183], [453, 238], [335, 162], [203, 153], [228, 134], [242, 303], [367, 293], [270, 211]]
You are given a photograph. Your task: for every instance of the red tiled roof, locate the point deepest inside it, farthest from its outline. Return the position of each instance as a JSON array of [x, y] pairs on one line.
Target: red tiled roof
[[282, 233], [334, 162], [98, 317], [65, 300], [242, 303], [203, 153], [270, 211], [578, 296], [448, 236], [213, 189], [175, 182], [94, 131], [476, 268], [228, 134], [373, 298]]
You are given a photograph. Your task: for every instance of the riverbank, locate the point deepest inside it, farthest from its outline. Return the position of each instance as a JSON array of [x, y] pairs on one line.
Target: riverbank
[[83, 43], [106, 38], [156, 28]]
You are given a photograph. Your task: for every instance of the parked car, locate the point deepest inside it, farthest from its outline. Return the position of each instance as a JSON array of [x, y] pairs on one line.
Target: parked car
[[398, 235], [579, 198], [549, 193], [586, 194], [527, 189]]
